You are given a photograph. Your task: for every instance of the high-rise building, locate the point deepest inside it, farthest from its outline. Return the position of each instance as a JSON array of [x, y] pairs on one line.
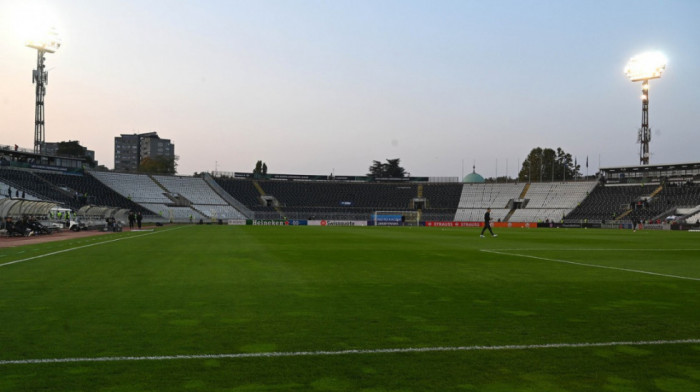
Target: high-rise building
[[130, 150]]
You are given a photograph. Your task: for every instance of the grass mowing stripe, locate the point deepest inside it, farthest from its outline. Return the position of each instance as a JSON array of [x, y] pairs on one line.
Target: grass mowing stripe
[[591, 265], [350, 352], [85, 246]]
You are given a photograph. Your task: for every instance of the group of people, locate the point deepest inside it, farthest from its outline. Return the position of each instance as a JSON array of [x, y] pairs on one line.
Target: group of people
[[17, 194], [25, 227], [135, 218], [112, 225]]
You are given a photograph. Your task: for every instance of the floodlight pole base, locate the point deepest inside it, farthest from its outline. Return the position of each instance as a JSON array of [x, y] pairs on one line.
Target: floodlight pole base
[[644, 131]]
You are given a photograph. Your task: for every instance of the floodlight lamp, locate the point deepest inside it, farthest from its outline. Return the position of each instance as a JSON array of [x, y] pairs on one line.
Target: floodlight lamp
[[644, 97], [48, 43], [649, 65]]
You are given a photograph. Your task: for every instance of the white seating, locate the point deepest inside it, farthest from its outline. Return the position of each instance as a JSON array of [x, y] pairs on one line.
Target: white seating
[[477, 214], [538, 214], [142, 189], [694, 218], [175, 214], [219, 212], [194, 189], [558, 195], [137, 187], [550, 201], [489, 195]]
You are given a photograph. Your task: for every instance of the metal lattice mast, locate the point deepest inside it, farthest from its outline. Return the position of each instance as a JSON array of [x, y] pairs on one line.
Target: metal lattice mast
[[40, 77], [642, 68]]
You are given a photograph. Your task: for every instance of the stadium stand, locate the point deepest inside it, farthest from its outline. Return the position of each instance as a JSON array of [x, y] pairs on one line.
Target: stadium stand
[[341, 199], [558, 195], [31, 184], [666, 202], [495, 196], [193, 189], [537, 215], [551, 201], [476, 198], [182, 198], [7, 191], [138, 188], [200, 196], [344, 200], [330, 194], [441, 200], [608, 202], [219, 211], [176, 214], [695, 218], [245, 192], [88, 190], [242, 209], [173, 198]]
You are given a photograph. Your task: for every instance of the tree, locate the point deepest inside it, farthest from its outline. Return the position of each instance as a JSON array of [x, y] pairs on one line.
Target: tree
[[391, 169], [73, 149], [501, 179], [548, 165], [70, 149], [260, 168], [376, 170], [159, 164]]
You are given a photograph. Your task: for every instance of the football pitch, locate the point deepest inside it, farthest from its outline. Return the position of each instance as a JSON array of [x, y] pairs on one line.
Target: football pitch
[[253, 308]]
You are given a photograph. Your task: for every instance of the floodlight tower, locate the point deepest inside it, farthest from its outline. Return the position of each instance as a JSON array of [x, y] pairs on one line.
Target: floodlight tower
[[48, 44], [642, 68]]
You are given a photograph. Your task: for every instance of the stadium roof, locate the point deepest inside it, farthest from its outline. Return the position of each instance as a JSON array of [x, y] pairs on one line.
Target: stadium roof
[[652, 167]]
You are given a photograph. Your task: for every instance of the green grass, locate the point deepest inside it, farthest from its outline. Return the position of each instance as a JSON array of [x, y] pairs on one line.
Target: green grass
[[224, 290]]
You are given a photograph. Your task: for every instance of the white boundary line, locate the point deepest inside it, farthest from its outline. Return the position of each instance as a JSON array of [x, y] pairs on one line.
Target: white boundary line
[[349, 352], [87, 246], [590, 265], [602, 249]]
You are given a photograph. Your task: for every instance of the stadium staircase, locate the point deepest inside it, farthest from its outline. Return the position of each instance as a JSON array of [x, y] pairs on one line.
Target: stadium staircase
[[159, 184], [419, 211], [630, 210], [623, 215], [657, 191], [262, 193], [198, 210], [521, 197], [49, 184], [524, 192], [227, 197], [175, 199]]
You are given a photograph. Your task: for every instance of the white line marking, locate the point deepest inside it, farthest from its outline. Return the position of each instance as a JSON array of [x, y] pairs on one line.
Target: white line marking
[[348, 352], [86, 246], [590, 265], [600, 249]]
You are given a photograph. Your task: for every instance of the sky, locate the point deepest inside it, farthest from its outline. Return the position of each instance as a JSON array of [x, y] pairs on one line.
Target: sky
[[320, 87]]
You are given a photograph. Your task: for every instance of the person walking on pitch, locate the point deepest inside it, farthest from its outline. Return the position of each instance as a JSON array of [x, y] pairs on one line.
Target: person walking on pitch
[[487, 224]]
